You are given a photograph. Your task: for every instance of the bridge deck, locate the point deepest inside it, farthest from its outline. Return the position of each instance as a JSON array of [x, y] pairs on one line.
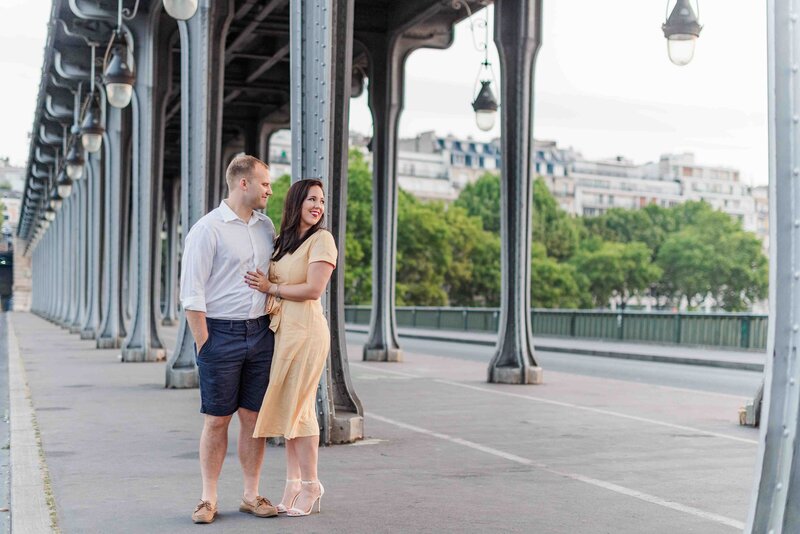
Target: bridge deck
[[445, 451]]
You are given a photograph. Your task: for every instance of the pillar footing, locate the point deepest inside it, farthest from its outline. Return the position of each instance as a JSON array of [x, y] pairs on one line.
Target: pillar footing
[[75, 329], [144, 355], [346, 427], [512, 375], [383, 355], [169, 322], [109, 343], [183, 378], [88, 333]]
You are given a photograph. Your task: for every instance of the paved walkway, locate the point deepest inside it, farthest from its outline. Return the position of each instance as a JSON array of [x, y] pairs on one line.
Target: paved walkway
[[445, 451], [689, 355]]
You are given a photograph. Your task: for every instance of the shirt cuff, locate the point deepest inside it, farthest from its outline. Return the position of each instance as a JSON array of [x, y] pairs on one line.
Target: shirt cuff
[[194, 304]]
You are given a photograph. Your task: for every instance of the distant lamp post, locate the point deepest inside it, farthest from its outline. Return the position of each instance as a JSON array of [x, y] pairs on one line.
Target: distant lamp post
[[74, 162], [92, 126], [118, 71], [55, 200], [64, 185], [49, 215], [682, 30], [180, 9], [485, 106]]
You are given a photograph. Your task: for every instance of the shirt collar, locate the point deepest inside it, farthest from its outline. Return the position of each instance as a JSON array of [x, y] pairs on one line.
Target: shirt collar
[[229, 215]]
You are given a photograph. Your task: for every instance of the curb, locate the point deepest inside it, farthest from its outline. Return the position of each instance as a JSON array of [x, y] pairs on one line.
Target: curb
[[30, 512], [703, 362]]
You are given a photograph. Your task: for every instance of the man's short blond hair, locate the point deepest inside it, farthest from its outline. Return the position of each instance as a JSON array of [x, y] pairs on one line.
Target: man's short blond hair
[[242, 166]]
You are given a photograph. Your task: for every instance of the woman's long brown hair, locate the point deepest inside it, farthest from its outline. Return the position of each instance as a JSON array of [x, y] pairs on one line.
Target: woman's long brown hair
[[290, 239]]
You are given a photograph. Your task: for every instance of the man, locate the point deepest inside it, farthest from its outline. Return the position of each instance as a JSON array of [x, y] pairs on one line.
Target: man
[[230, 329]]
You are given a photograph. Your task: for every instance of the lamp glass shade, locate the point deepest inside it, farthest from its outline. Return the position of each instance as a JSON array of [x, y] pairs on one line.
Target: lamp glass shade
[[180, 9], [680, 48], [74, 171], [119, 94], [50, 215], [55, 203], [91, 141], [485, 119], [65, 189]]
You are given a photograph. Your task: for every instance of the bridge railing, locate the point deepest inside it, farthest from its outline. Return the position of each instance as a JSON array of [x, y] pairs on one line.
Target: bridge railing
[[739, 330]]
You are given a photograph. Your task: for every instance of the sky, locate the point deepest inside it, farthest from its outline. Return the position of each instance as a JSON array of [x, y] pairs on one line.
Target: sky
[[604, 84]]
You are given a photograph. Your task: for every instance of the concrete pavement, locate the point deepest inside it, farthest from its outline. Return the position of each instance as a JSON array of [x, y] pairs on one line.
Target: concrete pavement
[[445, 451]]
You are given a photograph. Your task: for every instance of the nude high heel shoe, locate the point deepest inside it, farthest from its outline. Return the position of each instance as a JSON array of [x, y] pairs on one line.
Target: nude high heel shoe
[[296, 512], [282, 507]]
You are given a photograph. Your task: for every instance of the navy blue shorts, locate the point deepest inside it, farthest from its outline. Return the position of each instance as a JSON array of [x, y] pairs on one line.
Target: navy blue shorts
[[234, 365]]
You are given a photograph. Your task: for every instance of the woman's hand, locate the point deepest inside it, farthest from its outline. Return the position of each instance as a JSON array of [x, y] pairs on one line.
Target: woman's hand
[[257, 280]]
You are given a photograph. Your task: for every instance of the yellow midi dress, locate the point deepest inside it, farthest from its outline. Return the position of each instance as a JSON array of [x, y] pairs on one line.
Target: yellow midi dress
[[302, 342]]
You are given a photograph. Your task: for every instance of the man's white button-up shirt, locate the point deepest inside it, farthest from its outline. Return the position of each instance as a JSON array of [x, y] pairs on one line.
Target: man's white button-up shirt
[[220, 249]]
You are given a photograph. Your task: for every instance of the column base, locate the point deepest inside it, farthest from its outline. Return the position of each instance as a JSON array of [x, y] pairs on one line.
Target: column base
[[512, 375], [383, 355], [109, 342], [185, 378], [169, 322], [75, 329], [144, 355], [88, 333], [347, 427]]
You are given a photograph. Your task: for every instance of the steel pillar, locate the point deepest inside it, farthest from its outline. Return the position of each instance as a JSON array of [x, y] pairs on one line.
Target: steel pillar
[[202, 75], [112, 330], [172, 199], [775, 506], [94, 181], [149, 99], [387, 60], [321, 41], [78, 255], [517, 33]]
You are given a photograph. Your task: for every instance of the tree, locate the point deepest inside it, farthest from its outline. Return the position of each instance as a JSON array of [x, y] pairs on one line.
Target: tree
[[481, 199], [712, 256], [275, 204], [358, 238], [552, 226], [554, 284], [616, 270], [473, 278]]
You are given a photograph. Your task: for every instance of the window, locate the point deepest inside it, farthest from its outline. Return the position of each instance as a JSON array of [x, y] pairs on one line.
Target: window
[[550, 168]]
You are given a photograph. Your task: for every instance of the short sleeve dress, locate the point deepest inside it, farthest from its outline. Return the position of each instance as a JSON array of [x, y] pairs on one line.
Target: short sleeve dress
[[302, 342]]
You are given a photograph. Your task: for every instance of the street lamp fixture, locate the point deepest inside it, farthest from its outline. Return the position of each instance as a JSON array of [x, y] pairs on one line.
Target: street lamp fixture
[[64, 185], [55, 200], [49, 215], [485, 106], [682, 30], [75, 162], [118, 71], [180, 9], [92, 127]]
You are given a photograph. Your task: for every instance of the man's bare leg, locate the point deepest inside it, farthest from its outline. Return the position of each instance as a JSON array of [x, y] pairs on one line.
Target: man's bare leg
[[213, 446], [251, 453]]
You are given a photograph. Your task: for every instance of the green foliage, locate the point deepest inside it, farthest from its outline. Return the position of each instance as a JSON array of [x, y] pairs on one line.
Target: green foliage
[[450, 254], [481, 199], [616, 270], [275, 204]]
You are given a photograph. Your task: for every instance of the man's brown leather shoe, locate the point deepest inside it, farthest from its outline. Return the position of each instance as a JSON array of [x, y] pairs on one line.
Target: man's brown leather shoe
[[204, 513], [261, 507]]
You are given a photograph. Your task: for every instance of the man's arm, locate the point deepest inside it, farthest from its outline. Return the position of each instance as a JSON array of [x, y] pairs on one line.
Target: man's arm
[[198, 258], [198, 326]]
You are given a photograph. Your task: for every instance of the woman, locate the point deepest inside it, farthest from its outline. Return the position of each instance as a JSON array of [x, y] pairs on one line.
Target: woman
[[304, 258]]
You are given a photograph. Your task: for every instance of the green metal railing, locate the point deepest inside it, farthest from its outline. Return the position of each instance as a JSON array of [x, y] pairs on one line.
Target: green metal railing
[[740, 330]]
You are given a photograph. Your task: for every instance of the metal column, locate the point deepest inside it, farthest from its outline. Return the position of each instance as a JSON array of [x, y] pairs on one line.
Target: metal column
[[517, 33], [776, 500], [172, 213], [94, 180]]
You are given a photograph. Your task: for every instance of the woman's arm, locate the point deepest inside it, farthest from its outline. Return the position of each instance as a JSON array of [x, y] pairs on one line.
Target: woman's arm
[[319, 272]]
